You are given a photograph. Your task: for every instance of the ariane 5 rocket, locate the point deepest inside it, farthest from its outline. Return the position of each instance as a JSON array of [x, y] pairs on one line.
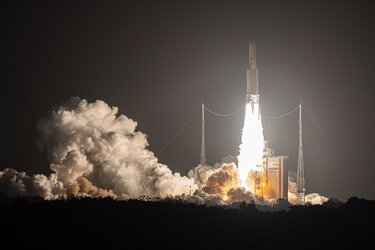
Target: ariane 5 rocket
[[252, 93]]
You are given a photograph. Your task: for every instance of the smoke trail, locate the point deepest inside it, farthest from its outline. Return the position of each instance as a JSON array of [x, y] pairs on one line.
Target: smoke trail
[[251, 149]]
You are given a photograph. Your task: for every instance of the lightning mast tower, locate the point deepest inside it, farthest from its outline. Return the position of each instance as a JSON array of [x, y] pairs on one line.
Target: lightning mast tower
[[203, 146], [300, 167]]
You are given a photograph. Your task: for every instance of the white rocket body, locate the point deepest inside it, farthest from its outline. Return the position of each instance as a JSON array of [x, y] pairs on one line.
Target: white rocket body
[[252, 93]]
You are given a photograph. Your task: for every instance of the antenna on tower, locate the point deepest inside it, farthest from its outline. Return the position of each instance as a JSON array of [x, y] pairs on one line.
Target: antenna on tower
[[203, 146], [300, 167]]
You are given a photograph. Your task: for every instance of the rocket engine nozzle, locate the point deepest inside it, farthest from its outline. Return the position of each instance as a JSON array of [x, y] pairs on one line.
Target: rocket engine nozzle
[[252, 98]]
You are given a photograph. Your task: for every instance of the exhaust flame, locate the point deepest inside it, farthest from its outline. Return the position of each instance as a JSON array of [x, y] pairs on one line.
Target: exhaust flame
[[251, 149]]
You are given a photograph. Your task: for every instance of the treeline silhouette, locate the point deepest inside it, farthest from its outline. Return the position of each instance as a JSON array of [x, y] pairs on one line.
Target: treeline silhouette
[[168, 224]]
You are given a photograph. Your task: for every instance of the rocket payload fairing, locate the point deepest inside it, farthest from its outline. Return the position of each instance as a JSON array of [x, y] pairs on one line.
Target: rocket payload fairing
[[252, 94]]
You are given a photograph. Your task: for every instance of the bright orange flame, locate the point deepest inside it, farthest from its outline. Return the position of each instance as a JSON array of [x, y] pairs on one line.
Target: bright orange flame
[[251, 149]]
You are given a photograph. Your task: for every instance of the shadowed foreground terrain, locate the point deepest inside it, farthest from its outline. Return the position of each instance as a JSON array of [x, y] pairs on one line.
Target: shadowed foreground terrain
[[139, 224]]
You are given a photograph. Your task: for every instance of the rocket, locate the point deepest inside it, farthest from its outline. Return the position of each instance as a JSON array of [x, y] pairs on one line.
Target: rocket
[[252, 93]]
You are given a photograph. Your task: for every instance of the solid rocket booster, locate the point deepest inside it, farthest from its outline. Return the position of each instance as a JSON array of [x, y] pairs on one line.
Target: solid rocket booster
[[252, 94]]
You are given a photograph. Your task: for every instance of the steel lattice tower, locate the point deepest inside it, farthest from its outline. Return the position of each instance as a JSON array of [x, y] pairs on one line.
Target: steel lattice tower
[[300, 168], [203, 146]]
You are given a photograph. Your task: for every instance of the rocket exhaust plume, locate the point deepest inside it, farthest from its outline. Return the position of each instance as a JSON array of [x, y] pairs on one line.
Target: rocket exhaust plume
[[251, 149]]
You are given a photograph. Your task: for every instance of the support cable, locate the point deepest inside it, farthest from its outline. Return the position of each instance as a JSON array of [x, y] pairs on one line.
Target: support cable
[[280, 116], [218, 114], [240, 109], [178, 131], [326, 135]]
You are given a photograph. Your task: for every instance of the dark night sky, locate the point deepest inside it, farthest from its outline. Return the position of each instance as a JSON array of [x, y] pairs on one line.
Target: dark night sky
[[155, 60]]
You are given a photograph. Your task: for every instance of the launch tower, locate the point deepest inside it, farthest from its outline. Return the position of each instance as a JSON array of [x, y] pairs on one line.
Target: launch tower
[[300, 167]]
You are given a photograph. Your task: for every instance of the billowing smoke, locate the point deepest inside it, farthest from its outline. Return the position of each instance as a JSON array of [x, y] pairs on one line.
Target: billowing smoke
[[223, 180], [218, 180], [13, 183], [83, 187], [95, 152], [240, 194], [295, 199]]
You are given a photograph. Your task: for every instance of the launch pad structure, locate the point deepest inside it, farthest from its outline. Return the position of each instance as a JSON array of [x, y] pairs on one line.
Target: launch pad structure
[[271, 177]]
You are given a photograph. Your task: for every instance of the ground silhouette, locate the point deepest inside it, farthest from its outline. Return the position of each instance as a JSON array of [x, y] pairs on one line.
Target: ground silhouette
[[134, 224]]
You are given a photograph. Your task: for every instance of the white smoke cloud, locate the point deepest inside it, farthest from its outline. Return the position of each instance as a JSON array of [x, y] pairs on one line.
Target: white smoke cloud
[[313, 198], [13, 183], [89, 142]]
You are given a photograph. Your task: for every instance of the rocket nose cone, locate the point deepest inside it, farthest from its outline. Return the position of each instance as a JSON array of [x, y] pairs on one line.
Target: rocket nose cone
[[252, 43]]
